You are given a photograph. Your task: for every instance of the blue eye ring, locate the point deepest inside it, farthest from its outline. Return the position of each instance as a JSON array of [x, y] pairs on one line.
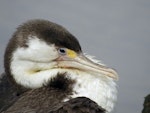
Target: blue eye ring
[[62, 51]]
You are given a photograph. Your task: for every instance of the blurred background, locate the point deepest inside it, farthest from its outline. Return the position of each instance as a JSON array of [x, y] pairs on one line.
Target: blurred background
[[117, 32]]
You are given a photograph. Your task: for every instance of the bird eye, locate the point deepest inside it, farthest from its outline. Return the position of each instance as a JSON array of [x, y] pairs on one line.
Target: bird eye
[[62, 51]]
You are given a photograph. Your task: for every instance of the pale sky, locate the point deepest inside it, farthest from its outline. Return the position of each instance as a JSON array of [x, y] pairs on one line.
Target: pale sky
[[116, 32]]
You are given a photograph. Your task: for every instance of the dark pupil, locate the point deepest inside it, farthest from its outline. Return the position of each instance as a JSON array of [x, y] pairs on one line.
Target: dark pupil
[[62, 50]]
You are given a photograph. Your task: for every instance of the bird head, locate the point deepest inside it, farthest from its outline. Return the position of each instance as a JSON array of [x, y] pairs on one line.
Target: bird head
[[39, 49]]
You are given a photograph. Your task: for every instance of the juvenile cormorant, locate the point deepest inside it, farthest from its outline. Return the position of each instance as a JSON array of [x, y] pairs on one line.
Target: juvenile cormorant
[[46, 61]]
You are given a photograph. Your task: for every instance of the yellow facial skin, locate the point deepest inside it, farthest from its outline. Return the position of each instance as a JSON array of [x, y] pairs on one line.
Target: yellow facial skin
[[71, 54]]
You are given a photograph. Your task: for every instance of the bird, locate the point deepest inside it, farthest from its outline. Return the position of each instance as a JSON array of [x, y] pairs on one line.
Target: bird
[[45, 62], [146, 104]]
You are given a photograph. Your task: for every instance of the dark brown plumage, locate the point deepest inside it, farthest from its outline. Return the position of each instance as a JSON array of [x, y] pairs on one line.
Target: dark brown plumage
[[8, 93], [79, 105], [48, 99]]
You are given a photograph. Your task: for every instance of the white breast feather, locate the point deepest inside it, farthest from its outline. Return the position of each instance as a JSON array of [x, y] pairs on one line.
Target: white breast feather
[[98, 88]]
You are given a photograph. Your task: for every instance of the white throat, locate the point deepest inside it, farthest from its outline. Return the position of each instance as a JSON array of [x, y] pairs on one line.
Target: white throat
[[26, 62]]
